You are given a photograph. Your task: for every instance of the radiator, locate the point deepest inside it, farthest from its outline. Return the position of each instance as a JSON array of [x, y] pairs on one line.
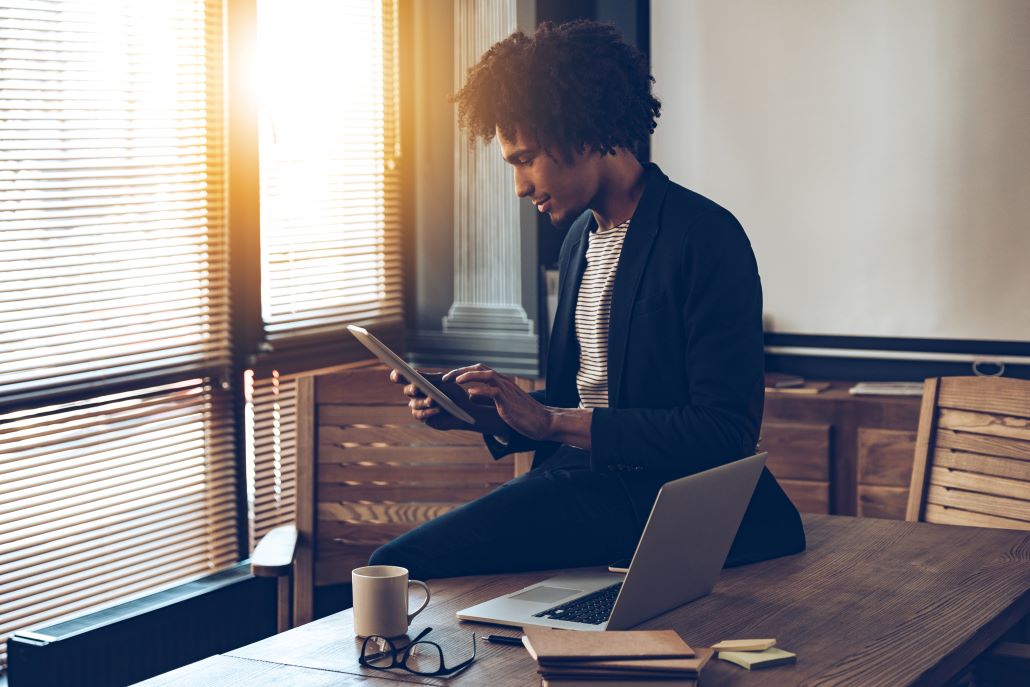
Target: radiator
[[137, 639]]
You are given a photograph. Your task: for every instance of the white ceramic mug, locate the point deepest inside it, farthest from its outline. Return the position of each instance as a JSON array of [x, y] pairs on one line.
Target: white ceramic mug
[[381, 600]]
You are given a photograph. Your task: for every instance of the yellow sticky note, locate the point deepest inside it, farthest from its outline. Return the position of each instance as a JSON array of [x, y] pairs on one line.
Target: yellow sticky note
[[744, 645], [753, 660]]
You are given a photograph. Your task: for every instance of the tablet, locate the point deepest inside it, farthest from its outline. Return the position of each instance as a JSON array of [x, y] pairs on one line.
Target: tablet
[[395, 362]]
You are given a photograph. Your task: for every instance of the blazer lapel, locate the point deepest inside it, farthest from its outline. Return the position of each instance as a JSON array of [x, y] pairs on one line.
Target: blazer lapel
[[636, 248], [563, 356]]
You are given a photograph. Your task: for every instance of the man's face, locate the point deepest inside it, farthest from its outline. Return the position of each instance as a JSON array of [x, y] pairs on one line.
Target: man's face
[[562, 190]]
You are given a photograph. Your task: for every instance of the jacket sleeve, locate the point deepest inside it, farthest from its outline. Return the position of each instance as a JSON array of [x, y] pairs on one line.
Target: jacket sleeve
[[721, 414]]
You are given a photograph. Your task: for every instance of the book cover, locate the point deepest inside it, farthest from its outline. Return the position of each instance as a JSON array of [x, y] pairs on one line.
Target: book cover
[[620, 682], [642, 667], [577, 682], [549, 645]]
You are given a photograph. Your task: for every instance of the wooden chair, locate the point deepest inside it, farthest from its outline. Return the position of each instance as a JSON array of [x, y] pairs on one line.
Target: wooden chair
[[366, 473], [972, 459], [972, 467]]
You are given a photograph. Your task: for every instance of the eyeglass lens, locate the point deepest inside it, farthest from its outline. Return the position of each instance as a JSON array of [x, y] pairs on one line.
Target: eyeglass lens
[[424, 658], [378, 652]]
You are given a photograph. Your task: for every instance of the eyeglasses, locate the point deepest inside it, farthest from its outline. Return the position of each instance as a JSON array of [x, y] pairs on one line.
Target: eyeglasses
[[418, 656]]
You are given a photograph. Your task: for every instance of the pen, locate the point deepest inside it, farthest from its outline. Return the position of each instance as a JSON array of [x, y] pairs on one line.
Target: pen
[[504, 639]]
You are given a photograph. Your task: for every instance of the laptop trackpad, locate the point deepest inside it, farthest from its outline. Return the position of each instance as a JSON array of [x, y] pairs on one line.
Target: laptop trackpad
[[544, 594]]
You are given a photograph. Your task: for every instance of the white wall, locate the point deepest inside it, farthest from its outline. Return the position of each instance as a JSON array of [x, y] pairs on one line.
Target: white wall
[[876, 151]]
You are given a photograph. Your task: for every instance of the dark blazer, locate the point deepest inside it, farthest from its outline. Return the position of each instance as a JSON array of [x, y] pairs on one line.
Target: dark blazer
[[685, 359]]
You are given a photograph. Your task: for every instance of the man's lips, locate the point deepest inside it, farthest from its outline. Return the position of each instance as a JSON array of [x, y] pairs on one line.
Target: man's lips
[[543, 206]]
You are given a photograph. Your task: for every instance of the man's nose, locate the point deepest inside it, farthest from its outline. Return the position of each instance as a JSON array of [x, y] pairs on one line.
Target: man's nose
[[523, 187]]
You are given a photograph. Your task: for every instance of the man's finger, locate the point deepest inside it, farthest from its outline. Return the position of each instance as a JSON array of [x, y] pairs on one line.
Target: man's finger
[[413, 391], [484, 376], [397, 378], [462, 370], [484, 392], [423, 415]]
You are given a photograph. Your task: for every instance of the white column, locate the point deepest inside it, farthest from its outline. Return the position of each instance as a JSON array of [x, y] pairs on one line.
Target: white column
[[487, 251]]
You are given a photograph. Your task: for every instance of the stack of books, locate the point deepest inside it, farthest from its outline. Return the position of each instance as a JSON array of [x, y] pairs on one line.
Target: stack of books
[[655, 658]]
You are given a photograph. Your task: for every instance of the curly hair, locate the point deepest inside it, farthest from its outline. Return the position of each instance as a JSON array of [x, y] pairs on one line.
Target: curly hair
[[574, 86]]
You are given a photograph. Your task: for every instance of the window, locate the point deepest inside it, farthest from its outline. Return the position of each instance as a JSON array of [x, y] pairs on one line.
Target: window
[[117, 470], [119, 351], [330, 226]]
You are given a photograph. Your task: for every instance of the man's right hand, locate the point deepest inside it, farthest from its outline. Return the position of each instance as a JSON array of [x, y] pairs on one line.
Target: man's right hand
[[426, 410]]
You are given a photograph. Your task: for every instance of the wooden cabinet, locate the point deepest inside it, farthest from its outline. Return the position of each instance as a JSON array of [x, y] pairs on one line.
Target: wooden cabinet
[[838, 453], [884, 470], [799, 456]]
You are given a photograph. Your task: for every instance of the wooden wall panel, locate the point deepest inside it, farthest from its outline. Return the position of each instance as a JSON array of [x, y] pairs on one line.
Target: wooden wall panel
[[331, 453], [808, 497], [1014, 509], [1002, 395], [361, 387], [943, 515], [982, 443], [304, 558], [984, 423], [399, 492], [851, 448], [882, 502], [973, 457], [797, 451], [885, 456], [330, 415], [380, 473]]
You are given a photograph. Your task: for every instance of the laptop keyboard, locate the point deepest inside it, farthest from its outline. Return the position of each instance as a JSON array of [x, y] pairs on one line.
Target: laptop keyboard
[[592, 609]]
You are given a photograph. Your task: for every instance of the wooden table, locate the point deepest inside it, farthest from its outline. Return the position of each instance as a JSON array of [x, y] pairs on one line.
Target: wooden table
[[871, 602]]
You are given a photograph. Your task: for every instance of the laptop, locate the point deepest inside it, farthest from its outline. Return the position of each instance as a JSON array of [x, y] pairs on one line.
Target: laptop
[[678, 559]]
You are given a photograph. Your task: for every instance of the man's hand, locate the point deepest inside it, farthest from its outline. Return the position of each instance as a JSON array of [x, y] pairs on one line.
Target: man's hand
[[426, 410], [515, 407]]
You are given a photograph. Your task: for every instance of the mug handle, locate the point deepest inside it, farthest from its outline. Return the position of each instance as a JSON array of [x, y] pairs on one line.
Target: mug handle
[[424, 603]]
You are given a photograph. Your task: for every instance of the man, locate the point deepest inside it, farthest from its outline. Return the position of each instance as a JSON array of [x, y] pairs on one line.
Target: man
[[655, 368]]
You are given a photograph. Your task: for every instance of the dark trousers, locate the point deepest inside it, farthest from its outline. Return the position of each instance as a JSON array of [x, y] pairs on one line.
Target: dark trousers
[[557, 516]]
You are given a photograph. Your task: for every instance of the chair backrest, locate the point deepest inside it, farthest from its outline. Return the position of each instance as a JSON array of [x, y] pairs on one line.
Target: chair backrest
[[972, 459], [368, 472]]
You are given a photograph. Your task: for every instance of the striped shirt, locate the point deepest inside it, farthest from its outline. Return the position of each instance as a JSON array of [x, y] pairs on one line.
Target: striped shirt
[[593, 307]]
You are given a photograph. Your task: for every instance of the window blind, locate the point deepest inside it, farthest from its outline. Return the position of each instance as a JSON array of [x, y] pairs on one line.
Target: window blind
[[116, 434], [330, 151], [104, 498], [112, 219], [271, 452]]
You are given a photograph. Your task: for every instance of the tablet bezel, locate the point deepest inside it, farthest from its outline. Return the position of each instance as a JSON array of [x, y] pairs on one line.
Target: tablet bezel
[[395, 362]]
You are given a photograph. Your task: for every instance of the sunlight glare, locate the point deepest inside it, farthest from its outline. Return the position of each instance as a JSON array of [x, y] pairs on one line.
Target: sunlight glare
[[321, 103]]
